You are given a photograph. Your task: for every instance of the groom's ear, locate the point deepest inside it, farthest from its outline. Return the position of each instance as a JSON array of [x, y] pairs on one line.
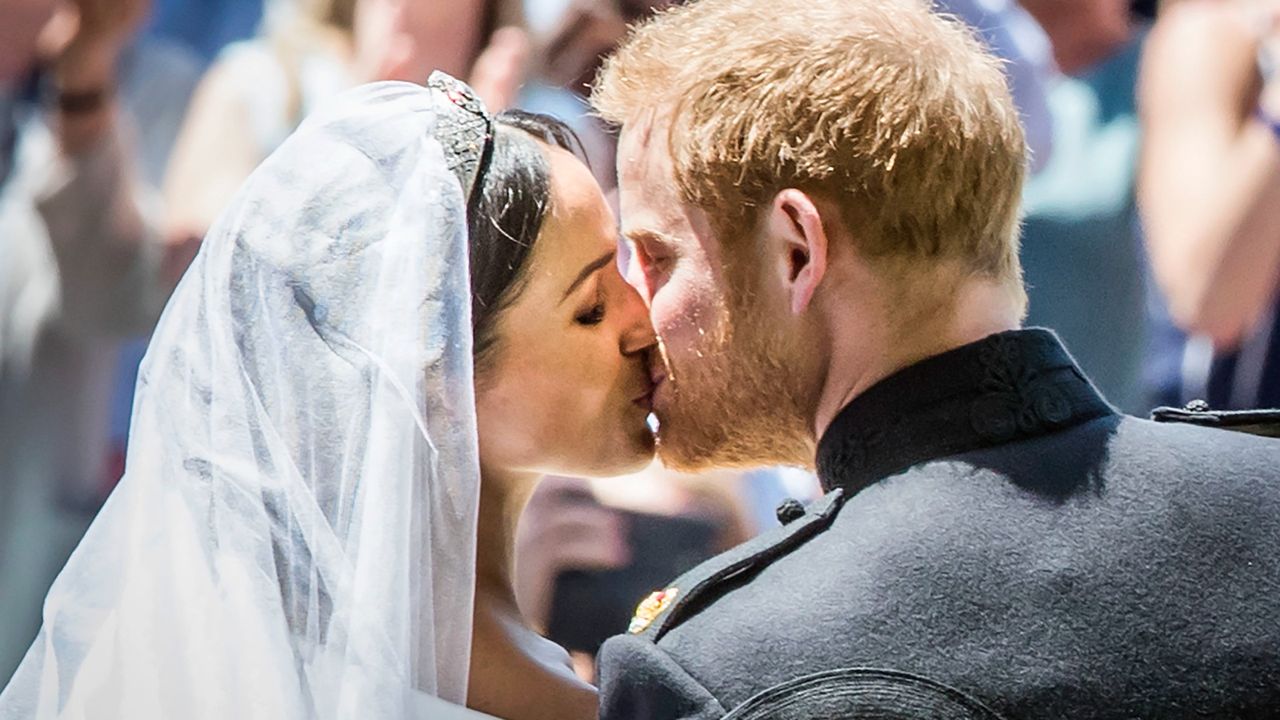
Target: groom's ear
[[797, 244]]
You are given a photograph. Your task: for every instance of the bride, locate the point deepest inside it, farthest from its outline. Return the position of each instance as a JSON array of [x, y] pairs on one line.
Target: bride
[[409, 313]]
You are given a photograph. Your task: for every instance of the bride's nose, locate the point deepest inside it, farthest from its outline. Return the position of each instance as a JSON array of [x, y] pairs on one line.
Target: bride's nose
[[637, 330]]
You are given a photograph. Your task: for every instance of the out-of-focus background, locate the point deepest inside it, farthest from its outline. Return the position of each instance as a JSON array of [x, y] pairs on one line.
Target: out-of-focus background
[[1151, 241]]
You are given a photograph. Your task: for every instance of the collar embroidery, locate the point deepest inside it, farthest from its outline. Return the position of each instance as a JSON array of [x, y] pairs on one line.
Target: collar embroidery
[[1009, 386]]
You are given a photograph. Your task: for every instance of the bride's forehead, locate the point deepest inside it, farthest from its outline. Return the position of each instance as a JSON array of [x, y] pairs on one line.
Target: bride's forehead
[[577, 204], [568, 242], [571, 179]]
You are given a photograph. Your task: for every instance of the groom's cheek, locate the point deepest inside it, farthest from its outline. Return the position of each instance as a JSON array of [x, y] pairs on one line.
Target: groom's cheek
[[680, 312]]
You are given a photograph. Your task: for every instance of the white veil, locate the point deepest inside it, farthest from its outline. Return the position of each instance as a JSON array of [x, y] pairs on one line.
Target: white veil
[[295, 532]]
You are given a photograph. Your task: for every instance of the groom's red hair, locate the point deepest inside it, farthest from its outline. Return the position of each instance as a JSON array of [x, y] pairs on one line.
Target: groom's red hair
[[892, 111]]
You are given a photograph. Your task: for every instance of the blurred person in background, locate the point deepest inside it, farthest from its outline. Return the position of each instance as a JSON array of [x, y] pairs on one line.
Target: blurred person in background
[[573, 37], [86, 119], [1082, 255], [1209, 190], [1012, 35], [588, 551], [189, 33], [258, 91]]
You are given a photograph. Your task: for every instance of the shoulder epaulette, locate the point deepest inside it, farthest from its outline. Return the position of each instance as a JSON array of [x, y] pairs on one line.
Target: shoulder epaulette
[[1254, 422], [664, 609]]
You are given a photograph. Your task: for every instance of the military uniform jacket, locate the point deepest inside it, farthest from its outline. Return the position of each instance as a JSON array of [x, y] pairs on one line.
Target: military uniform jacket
[[996, 542]]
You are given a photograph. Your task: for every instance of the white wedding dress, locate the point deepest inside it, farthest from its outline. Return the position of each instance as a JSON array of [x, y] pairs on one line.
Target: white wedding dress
[[295, 533]]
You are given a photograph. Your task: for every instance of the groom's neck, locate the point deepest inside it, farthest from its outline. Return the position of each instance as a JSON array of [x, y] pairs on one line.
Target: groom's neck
[[864, 353]]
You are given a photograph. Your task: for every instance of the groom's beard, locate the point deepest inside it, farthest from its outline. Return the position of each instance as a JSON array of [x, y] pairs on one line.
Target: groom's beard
[[735, 399]]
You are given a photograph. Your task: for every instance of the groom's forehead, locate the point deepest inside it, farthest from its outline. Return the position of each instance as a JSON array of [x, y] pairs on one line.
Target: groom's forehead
[[636, 161], [648, 195], [651, 204], [644, 147]]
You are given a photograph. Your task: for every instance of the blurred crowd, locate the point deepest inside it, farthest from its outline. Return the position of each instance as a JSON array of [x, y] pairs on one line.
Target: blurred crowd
[[1151, 240]]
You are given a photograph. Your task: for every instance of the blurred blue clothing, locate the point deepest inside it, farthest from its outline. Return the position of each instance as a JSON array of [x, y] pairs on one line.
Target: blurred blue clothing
[[1015, 37], [205, 26], [16, 103], [8, 130], [1248, 377], [1081, 251], [1170, 353]]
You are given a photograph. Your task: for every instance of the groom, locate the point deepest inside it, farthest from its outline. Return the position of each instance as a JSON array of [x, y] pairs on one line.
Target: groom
[[822, 199]]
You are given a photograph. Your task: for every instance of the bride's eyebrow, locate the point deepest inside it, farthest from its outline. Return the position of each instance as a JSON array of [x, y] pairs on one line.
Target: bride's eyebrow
[[587, 272]]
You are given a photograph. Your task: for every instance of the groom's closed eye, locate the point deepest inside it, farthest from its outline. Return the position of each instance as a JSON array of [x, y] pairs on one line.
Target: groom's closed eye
[[651, 261]]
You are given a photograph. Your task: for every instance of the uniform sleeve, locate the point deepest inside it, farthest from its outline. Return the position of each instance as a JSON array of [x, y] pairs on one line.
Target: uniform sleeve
[[107, 251], [639, 680]]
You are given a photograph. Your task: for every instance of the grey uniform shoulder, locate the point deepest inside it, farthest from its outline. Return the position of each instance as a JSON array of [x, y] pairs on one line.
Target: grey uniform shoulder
[[698, 588], [1254, 422]]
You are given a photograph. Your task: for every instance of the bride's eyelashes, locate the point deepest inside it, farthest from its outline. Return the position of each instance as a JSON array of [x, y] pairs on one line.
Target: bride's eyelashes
[[594, 314]]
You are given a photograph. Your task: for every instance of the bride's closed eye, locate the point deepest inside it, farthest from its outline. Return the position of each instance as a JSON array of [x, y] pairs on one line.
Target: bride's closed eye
[[593, 315]]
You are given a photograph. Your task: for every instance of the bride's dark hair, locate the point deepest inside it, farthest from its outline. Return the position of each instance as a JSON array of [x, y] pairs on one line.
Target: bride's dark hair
[[505, 216]]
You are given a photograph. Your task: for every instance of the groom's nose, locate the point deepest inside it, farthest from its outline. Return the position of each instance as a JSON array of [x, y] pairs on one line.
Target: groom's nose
[[638, 335], [632, 271]]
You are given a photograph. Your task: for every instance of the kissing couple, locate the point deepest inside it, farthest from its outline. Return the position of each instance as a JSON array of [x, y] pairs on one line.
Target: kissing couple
[[413, 310]]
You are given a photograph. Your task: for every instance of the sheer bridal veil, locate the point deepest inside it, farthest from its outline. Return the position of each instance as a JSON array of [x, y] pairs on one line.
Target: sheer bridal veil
[[294, 536]]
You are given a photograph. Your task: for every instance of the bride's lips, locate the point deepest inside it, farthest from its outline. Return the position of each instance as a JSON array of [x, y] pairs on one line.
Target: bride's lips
[[646, 400]]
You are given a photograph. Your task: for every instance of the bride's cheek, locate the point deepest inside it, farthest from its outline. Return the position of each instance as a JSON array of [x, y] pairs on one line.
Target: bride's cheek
[[589, 383]]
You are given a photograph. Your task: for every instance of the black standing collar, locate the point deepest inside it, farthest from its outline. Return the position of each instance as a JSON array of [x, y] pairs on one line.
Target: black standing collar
[[1009, 386]]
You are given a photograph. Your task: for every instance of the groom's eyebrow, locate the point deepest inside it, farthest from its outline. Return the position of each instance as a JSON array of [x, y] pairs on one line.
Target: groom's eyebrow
[[641, 235], [588, 271]]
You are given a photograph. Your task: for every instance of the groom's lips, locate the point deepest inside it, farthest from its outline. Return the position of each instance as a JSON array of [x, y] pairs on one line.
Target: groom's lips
[[645, 400], [655, 383]]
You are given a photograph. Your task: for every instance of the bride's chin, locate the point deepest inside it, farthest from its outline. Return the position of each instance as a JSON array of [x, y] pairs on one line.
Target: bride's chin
[[625, 451], [635, 454]]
